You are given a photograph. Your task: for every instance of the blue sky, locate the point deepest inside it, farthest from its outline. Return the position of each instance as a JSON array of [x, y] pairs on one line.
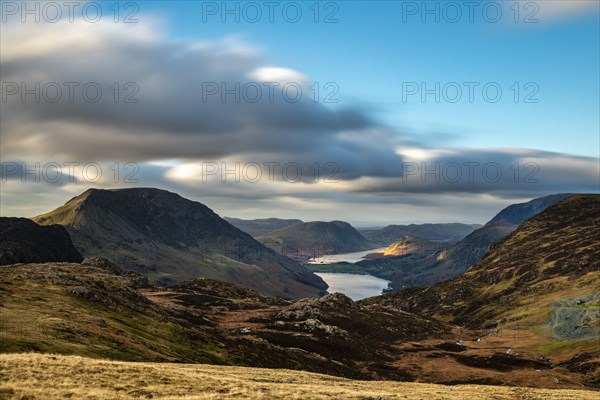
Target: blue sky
[[370, 52]]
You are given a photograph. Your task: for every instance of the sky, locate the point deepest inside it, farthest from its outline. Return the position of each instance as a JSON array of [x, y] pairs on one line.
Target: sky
[[373, 112]]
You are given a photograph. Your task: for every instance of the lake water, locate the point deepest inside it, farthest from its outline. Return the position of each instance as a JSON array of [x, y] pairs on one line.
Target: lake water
[[348, 257], [355, 286]]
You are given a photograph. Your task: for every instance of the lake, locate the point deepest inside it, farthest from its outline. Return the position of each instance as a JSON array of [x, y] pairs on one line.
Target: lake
[[347, 257], [355, 286]]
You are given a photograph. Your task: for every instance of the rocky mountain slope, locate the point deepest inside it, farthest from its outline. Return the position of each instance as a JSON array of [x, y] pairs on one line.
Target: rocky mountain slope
[[24, 241], [261, 226], [170, 239], [315, 239], [517, 213]]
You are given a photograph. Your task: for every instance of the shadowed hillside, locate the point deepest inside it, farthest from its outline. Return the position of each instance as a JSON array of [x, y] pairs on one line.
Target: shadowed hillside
[[558, 250], [24, 241], [97, 310], [315, 239]]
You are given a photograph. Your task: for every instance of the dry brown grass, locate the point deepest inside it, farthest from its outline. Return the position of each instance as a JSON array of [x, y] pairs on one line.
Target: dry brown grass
[[49, 377]]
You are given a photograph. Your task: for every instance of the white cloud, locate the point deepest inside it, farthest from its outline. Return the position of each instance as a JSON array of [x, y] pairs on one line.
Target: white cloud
[[280, 75]]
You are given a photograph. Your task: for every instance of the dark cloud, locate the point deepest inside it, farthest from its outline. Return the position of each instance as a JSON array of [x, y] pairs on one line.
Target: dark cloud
[[501, 173], [174, 116]]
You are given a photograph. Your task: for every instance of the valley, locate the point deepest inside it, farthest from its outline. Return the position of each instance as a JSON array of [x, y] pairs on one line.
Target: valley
[[343, 275], [526, 316], [357, 200]]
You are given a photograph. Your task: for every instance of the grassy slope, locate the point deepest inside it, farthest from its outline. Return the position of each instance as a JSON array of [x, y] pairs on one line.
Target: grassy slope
[[48, 377], [75, 309], [72, 309]]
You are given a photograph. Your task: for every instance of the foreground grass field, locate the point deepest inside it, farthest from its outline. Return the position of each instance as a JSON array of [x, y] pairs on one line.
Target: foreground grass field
[[49, 377]]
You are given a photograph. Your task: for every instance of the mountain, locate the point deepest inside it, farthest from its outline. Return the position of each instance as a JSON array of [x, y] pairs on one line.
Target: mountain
[[315, 239], [457, 258], [257, 227], [454, 260], [170, 239], [24, 241], [451, 232], [543, 277]]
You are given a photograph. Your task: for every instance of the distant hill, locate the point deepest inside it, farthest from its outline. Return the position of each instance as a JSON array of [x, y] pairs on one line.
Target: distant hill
[[170, 239], [257, 227], [315, 239], [409, 245], [24, 241], [545, 275], [454, 260], [452, 232]]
